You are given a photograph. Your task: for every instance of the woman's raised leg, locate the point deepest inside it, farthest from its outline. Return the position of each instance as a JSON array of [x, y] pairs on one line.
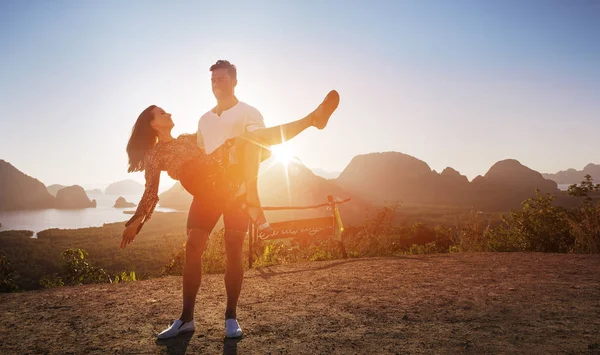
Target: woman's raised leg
[[250, 146], [278, 134]]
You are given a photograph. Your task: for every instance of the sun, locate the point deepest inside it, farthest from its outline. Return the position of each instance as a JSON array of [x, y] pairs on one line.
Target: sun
[[283, 153]]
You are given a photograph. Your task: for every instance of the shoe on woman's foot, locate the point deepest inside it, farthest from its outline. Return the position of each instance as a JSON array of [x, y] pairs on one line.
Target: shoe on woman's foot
[[258, 219], [320, 116]]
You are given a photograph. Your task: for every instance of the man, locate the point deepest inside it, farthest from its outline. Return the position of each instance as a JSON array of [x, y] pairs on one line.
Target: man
[[230, 118]]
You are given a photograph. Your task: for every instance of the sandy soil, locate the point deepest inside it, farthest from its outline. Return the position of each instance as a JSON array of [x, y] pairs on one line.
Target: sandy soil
[[482, 303]]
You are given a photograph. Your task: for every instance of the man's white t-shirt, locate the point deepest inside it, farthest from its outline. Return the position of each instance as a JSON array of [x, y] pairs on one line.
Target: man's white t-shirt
[[214, 130]]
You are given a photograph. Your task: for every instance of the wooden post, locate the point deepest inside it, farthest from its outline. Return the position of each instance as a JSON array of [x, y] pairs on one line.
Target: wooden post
[[333, 207], [343, 248], [250, 240]]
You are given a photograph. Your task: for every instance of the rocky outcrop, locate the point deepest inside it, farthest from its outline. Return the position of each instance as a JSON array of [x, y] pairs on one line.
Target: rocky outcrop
[[125, 187], [73, 197], [122, 203], [19, 191], [176, 198]]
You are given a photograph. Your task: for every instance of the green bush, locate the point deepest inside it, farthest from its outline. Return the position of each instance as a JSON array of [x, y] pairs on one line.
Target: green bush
[[124, 277], [7, 275], [585, 222], [51, 282], [537, 226], [77, 270]]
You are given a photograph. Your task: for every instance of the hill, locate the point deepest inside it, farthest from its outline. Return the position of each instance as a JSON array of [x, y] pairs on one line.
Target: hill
[[396, 177], [73, 197], [125, 187], [19, 191], [479, 303], [325, 173], [573, 176], [369, 180]]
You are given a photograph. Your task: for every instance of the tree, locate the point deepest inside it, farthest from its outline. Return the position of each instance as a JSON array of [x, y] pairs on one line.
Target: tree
[[584, 189], [538, 226], [585, 222]]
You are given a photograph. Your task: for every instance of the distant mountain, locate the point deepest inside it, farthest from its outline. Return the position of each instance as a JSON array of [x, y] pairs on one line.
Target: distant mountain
[[379, 178], [572, 176], [387, 177], [295, 186], [325, 174], [53, 189], [176, 197], [506, 184], [94, 192], [21, 192], [73, 197], [125, 187], [395, 177]]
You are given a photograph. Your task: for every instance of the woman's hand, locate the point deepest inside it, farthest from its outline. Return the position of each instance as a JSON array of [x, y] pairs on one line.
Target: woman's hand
[[130, 232]]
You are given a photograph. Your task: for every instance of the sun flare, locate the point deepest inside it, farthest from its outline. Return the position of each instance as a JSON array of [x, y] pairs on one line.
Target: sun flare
[[283, 153]]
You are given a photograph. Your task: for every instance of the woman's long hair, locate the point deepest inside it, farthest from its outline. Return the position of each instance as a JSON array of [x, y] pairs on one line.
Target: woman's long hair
[[142, 139]]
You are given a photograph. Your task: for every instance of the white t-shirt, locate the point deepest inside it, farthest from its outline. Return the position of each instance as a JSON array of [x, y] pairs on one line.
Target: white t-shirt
[[214, 130]]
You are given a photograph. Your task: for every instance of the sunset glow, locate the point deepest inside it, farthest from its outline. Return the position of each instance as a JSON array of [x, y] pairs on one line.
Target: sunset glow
[[283, 153]]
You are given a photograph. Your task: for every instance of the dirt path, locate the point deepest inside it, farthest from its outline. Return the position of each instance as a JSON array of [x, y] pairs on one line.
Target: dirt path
[[484, 303]]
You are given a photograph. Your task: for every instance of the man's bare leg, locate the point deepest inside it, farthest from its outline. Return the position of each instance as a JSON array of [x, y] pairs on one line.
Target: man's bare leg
[[192, 271], [234, 273]]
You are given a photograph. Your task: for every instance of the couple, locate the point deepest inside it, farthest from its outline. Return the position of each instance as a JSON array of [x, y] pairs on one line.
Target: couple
[[219, 167]]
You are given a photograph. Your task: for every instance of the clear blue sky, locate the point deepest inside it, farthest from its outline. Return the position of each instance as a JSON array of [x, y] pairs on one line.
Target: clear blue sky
[[454, 83]]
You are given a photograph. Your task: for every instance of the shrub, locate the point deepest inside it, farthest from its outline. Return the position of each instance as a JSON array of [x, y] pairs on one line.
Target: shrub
[[7, 275]]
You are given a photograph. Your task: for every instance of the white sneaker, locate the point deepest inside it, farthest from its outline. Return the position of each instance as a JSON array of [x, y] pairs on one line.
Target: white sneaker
[[178, 327], [232, 328]]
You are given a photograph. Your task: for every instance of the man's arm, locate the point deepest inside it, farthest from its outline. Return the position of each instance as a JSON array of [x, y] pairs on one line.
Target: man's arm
[[254, 122]]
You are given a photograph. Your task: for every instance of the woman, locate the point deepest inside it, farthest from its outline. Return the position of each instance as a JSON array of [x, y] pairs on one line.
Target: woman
[[153, 149]]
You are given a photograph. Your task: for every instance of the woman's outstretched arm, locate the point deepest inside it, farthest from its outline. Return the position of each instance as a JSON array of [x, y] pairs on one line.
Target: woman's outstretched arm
[[146, 206]]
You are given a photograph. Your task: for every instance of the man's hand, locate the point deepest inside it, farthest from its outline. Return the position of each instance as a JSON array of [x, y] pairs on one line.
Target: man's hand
[[130, 232]]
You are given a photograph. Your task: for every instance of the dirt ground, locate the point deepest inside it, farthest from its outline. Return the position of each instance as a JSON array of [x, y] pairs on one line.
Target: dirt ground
[[481, 303]]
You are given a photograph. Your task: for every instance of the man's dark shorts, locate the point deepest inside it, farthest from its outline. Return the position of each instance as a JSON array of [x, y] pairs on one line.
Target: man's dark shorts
[[205, 213]]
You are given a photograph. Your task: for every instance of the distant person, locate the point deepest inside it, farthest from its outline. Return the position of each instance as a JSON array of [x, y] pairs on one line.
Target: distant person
[[219, 184]]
